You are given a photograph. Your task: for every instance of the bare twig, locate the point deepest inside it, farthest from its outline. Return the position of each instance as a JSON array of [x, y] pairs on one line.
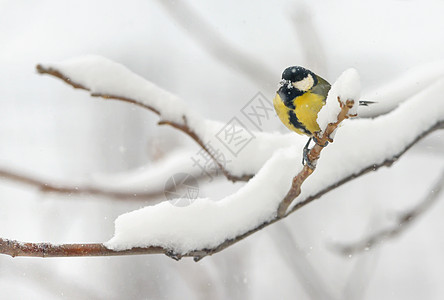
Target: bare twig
[[180, 126], [313, 156], [46, 186], [16, 248], [404, 221]]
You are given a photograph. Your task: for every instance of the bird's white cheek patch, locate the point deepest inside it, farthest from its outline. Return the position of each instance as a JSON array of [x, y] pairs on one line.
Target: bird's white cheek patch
[[304, 84]]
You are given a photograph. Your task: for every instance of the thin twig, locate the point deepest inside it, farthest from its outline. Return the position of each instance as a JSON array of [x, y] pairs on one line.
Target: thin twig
[[180, 126], [313, 156], [46, 186], [404, 221], [16, 248]]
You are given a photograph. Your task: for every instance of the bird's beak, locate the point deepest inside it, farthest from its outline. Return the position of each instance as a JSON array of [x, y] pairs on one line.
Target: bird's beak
[[284, 82]]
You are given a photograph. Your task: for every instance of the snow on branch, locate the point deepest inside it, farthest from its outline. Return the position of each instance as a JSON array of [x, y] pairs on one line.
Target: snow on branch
[[110, 80], [17, 248], [206, 227], [360, 146]]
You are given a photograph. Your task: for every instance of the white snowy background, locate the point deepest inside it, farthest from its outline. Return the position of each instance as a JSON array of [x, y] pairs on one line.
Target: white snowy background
[[52, 131]]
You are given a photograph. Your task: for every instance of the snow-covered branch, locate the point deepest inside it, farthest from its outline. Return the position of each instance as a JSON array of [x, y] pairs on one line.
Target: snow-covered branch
[[206, 227], [177, 241], [360, 146], [17, 248], [110, 80]]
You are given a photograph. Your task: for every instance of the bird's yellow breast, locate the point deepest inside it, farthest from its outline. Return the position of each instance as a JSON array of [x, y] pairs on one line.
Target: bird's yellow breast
[[305, 113]]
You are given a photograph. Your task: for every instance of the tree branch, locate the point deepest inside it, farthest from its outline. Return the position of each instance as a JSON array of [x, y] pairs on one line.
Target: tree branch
[[46, 187], [180, 126], [313, 156], [16, 248]]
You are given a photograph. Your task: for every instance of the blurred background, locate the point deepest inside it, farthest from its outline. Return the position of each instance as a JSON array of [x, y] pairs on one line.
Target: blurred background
[[216, 56]]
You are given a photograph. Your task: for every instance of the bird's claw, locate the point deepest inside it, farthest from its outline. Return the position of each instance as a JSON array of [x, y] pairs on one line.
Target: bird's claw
[[306, 160], [325, 144]]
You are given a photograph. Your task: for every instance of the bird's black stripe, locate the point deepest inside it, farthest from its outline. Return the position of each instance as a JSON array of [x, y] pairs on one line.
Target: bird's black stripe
[[295, 122], [288, 95]]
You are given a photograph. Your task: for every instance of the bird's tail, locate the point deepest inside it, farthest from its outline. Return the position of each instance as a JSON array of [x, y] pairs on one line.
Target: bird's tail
[[366, 103]]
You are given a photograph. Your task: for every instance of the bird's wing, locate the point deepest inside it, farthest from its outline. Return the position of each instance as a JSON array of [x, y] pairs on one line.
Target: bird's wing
[[322, 87]]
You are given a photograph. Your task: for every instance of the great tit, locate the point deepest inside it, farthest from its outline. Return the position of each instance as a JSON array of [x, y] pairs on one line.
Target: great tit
[[299, 99]]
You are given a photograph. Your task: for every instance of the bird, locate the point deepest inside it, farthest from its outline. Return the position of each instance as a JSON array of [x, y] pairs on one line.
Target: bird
[[299, 99]]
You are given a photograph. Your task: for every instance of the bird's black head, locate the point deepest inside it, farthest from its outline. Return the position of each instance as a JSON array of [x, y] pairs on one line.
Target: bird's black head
[[295, 73], [299, 78]]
